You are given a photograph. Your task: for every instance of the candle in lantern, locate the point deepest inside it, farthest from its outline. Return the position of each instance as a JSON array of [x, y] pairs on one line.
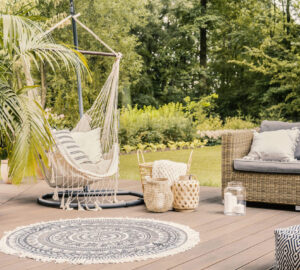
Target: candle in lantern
[[239, 209], [230, 202]]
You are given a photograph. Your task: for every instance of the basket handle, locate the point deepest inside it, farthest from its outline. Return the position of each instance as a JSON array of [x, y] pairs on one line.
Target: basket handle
[[138, 154], [187, 177], [189, 162]]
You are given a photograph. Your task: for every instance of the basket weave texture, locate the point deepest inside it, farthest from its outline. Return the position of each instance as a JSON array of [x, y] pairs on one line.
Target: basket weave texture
[[158, 196], [186, 193], [146, 167], [260, 187]]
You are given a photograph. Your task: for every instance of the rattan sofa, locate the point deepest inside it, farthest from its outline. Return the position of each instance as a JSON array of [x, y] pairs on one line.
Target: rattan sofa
[[260, 187]]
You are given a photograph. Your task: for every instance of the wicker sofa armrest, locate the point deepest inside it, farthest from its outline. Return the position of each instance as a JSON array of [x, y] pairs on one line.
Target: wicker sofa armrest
[[235, 144]]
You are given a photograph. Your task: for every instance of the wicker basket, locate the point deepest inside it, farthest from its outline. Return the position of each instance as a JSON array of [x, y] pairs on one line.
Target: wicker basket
[[146, 167], [186, 193], [158, 196]]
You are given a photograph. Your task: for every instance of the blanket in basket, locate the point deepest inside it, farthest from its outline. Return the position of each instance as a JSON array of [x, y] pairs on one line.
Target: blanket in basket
[[168, 169]]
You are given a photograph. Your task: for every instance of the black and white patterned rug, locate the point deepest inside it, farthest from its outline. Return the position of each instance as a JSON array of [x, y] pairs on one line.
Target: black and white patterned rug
[[98, 240]]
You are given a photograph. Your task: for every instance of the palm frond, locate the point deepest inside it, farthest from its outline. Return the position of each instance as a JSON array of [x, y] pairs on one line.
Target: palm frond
[[9, 110], [23, 38], [33, 140], [24, 43], [15, 28]]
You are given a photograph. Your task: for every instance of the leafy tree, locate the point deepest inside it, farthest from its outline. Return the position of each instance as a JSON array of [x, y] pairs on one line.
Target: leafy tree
[[170, 46], [112, 22], [277, 59], [173, 49]]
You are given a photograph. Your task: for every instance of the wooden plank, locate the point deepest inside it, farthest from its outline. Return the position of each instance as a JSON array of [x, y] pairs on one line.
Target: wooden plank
[[217, 246], [240, 224], [239, 260], [221, 237], [264, 262], [7, 192], [51, 266], [158, 264], [212, 258], [10, 261]]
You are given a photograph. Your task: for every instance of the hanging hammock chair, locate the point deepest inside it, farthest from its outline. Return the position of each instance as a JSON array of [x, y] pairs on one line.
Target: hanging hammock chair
[[83, 165]]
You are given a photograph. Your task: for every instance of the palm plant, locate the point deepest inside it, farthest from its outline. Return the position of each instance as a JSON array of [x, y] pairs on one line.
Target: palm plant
[[23, 45]]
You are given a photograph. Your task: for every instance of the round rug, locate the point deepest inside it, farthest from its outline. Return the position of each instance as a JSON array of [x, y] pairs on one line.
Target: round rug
[[98, 240]]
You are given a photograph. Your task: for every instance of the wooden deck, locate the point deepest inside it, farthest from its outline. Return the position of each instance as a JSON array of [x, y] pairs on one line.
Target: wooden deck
[[226, 242]]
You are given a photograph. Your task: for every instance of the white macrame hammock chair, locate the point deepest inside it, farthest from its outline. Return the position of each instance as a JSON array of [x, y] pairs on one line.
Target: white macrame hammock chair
[[74, 185]]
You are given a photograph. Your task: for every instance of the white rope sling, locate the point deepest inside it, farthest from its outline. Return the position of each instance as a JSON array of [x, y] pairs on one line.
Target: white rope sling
[[70, 179]]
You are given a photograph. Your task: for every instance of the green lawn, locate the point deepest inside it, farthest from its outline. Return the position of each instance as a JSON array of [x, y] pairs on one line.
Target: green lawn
[[206, 163]]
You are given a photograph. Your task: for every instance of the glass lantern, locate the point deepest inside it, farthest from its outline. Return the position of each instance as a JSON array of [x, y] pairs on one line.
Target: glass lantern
[[235, 199]]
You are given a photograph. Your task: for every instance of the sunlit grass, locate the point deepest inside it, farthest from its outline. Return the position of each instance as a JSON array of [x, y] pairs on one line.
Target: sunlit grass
[[206, 163]]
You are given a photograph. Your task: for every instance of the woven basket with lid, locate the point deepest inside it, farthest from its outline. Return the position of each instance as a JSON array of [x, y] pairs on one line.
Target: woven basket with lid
[[186, 193]]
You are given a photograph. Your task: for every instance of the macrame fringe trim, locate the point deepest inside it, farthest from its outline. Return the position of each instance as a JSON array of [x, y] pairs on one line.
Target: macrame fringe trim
[[192, 241], [55, 194]]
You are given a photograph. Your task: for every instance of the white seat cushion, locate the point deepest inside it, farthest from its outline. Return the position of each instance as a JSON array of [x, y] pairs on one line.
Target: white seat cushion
[[100, 168]]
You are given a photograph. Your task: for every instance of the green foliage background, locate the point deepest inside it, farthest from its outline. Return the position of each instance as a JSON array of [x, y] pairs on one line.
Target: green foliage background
[[252, 54]]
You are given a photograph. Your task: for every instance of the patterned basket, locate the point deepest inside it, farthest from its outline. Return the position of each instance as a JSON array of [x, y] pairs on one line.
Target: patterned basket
[[146, 167], [158, 196], [186, 193]]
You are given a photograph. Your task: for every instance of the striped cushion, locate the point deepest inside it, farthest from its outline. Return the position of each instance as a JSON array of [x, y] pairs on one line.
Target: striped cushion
[[287, 248], [65, 140]]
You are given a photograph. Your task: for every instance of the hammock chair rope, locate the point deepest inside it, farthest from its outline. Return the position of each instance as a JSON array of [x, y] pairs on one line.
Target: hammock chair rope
[[73, 182]]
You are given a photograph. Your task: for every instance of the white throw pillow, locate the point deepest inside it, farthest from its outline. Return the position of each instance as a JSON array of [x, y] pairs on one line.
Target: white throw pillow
[[276, 145], [84, 124], [89, 142]]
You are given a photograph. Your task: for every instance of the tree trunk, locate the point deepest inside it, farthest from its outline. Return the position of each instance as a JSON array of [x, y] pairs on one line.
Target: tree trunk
[[288, 16], [270, 8], [43, 84], [274, 17], [203, 49], [203, 38], [32, 93]]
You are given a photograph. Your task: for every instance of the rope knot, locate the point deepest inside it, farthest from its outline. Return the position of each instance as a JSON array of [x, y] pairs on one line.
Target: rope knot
[[119, 55]]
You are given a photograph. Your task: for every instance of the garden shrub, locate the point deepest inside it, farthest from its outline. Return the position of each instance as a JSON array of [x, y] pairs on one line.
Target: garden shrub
[[150, 136], [238, 123], [155, 125], [174, 125], [211, 123]]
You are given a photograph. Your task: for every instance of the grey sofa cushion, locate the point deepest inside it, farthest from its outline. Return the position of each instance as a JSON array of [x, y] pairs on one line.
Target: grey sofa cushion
[[276, 125], [267, 166]]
